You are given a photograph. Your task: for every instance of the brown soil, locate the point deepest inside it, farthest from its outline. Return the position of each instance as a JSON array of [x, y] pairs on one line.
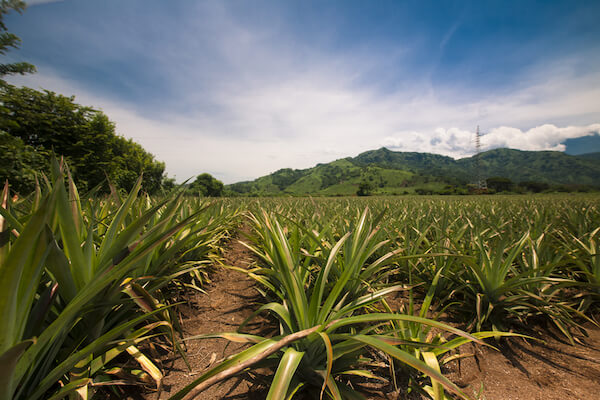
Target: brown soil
[[230, 298], [529, 370], [520, 370]]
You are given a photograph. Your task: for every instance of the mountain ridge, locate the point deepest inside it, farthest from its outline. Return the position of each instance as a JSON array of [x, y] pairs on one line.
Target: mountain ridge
[[384, 171]]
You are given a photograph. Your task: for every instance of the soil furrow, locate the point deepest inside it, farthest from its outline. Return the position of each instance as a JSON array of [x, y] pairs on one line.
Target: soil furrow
[[229, 300]]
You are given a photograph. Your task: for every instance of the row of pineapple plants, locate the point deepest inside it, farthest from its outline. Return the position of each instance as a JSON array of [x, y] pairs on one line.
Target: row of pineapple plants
[[86, 281], [327, 268], [512, 258]]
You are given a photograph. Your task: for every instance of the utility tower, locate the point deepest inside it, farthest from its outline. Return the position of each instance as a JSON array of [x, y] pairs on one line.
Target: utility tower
[[481, 182]]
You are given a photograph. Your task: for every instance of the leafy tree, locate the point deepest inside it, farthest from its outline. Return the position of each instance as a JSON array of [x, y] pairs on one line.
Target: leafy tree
[[423, 191], [34, 124], [285, 177], [207, 185], [9, 40], [19, 162], [535, 187], [132, 160], [499, 184], [168, 184], [364, 189], [47, 122]]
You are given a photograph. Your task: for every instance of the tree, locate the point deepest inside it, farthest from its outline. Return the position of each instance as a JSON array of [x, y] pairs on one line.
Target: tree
[[499, 183], [207, 185], [19, 163], [535, 187], [35, 124], [131, 161], [364, 189], [47, 122], [9, 40]]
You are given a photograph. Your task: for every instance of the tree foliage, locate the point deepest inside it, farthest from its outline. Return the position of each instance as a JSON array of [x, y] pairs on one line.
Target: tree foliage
[[535, 187], [365, 188], [499, 183], [19, 162], [42, 122], [207, 185], [34, 124], [285, 177], [10, 40]]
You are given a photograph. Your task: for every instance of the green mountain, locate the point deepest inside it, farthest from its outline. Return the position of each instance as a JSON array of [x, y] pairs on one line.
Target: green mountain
[[388, 172], [552, 167], [591, 156]]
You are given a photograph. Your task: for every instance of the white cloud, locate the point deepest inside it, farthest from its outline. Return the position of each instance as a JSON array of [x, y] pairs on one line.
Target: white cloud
[[544, 137], [459, 143], [451, 142]]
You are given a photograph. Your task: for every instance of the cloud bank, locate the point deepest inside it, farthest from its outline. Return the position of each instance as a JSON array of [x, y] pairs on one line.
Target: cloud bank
[[459, 143]]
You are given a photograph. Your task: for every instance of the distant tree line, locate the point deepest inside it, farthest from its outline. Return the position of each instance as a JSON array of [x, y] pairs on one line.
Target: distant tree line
[[499, 184]]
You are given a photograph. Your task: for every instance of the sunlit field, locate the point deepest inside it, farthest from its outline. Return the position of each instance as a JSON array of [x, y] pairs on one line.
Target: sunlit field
[[89, 283]]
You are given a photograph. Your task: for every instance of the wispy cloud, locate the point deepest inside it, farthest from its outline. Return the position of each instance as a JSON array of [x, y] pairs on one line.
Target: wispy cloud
[[240, 100], [299, 122], [449, 33]]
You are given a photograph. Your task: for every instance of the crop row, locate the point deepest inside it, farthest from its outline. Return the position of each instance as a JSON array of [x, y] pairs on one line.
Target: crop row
[[330, 269], [86, 281], [357, 287]]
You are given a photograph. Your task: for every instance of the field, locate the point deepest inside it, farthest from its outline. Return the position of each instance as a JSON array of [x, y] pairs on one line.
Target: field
[[341, 298]]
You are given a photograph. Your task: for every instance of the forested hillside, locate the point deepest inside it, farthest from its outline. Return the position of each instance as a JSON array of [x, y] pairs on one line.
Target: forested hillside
[[388, 172]]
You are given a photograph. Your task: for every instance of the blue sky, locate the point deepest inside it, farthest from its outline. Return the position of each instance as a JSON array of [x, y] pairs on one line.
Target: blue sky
[[242, 88]]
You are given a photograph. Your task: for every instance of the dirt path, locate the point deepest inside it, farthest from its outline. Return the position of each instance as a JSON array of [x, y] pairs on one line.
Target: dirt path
[[229, 300]]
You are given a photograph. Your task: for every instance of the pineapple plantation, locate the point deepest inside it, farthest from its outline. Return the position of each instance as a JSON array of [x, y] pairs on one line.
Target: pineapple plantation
[[344, 298]]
